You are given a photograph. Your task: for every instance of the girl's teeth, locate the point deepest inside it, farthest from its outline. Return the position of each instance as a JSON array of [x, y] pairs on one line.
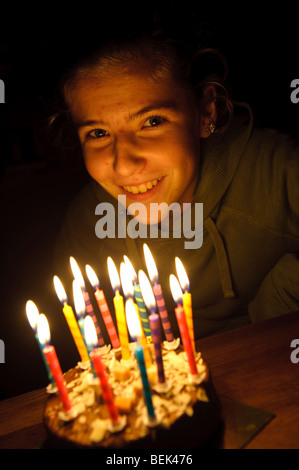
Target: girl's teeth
[[142, 188]]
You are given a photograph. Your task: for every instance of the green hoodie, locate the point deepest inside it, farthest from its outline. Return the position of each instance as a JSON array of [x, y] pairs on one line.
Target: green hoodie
[[247, 268]]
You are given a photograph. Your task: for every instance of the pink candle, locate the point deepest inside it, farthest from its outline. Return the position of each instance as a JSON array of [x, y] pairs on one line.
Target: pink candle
[[181, 319], [88, 305], [153, 275], [103, 306]]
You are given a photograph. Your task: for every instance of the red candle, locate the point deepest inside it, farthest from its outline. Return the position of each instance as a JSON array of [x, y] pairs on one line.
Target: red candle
[[106, 389], [181, 319], [52, 360], [103, 306], [43, 332]]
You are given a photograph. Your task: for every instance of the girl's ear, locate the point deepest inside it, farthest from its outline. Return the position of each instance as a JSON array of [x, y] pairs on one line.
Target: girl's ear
[[208, 111]]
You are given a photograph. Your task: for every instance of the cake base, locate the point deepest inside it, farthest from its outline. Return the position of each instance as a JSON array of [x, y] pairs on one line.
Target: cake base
[[188, 415]]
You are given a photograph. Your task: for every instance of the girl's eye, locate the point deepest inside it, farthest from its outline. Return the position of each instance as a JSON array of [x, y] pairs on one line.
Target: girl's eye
[[98, 133], [153, 121]]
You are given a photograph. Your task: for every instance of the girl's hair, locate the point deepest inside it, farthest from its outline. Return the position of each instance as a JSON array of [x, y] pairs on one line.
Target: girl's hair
[[191, 64]]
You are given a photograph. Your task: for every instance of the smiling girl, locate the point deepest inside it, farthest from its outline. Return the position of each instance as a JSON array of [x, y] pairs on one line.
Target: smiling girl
[[155, 124]]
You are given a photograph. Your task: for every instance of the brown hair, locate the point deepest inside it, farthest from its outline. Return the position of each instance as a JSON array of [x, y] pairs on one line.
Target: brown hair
[[192, 66]]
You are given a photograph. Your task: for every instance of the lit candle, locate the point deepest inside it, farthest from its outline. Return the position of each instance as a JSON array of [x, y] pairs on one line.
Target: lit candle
[[103, 306], [71, 319], [79, 306], [153, 275], [132, 315], [128, 291], [43, 332], [95, 356], [134, 329], [32, 315], [88, 305], [138, 297], [119, 310], [187, 299], [154, 320], [181, 319]]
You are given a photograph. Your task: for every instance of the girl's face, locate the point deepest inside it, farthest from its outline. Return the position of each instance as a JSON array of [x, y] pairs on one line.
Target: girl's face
[[139, 136]]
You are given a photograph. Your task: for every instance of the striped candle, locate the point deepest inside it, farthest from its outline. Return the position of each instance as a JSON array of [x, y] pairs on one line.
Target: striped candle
[[156, 337], [103, 306], [88, 305], [157, 289], [138, 298]]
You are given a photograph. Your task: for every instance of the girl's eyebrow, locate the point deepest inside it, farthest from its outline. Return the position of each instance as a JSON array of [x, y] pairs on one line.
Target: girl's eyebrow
[[155, 106], [172, 105]]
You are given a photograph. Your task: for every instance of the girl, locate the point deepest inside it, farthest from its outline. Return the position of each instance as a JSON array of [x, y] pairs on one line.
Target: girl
[[155, 124]]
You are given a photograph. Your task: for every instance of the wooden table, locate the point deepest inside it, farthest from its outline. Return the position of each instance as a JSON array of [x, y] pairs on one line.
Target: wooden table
[[249, 365]]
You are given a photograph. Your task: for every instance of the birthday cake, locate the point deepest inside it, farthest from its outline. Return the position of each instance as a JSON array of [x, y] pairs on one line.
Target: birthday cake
[[186, 409]]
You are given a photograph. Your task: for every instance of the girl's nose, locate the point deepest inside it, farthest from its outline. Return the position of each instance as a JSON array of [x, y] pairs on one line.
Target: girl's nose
[[128, 158]]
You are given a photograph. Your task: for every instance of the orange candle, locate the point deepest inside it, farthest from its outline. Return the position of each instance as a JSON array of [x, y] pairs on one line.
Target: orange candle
[[181, 319]]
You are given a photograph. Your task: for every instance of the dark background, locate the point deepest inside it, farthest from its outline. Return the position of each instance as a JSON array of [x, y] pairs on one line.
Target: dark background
[[37, 182]]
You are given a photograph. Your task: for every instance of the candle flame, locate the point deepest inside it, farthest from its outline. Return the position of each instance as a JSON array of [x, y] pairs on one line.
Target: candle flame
[[90, 332], [32, 314], [77, 272], [182, 275], [150, 264], [126, 282], [114, 277], [78, 299], [133, 322], [175, 289], [146, 291], [61, 294], [43, 329], [131, 270], [93, 278]]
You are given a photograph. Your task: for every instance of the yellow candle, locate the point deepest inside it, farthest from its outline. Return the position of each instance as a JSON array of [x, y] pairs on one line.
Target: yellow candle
[[71, 320], [187, 299], [75, 330], [136, 330], [119, 310], [121, 325], [142, 339]]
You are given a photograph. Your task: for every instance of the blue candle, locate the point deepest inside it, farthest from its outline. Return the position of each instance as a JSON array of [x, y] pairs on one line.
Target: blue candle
[[32, 315], [145, 383]]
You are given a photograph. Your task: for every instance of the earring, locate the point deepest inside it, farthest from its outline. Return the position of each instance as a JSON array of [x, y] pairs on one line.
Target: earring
[[211, 127]]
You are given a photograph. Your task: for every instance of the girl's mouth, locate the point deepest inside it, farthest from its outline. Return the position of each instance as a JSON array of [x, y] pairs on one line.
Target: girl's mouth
[[142, 188]]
